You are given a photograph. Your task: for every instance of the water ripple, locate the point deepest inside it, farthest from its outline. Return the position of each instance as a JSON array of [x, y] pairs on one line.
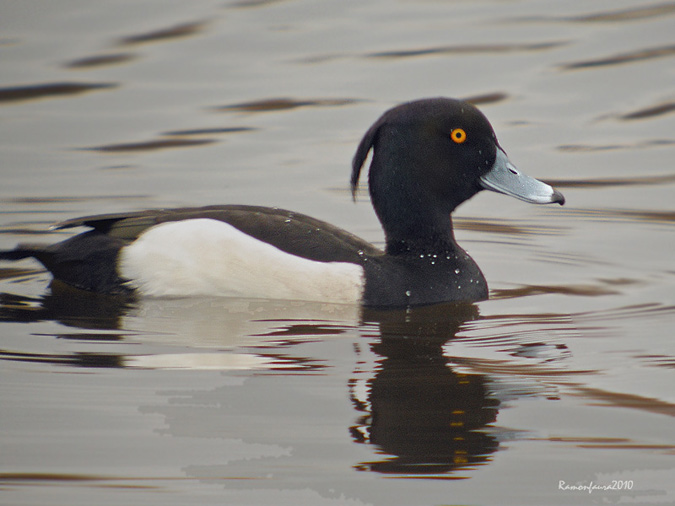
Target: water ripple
[[651, 111], [622, 58], [505, 227], [283, 104], [579, 290], [211, 131], [612, 181], [589, 148], [487, 98], [101, 60], [48, 90], [611, 16], [652, 11], [151, 145], [467, 49], [625, 400], [163, 34], [626, 215]]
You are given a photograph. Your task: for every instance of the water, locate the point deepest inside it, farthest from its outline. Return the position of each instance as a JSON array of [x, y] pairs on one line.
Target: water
[[564, 378]]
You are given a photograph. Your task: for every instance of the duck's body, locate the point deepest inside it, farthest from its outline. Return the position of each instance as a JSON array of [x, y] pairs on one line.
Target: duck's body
[[429, 157]]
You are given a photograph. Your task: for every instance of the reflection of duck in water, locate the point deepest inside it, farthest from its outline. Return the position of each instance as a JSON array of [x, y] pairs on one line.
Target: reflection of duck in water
[[413, 406], [429, 156], [417, 409]]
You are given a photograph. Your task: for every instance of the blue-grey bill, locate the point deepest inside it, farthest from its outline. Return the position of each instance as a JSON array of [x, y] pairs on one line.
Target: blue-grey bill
[[505, 178]]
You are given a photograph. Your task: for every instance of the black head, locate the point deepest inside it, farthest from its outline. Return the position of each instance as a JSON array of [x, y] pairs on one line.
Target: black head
[[439, 146], [429, 156]]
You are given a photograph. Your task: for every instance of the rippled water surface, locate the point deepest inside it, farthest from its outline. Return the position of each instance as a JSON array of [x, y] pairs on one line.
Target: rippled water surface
[[563, 379]]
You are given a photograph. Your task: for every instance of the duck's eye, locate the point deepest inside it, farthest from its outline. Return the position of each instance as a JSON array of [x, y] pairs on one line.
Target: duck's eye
[[458, 135]]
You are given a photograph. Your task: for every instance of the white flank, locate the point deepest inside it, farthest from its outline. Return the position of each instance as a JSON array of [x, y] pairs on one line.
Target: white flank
[[204, 257]]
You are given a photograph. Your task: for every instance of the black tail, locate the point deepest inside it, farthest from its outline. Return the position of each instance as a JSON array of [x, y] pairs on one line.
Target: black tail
[[24, 251], [87, 261]]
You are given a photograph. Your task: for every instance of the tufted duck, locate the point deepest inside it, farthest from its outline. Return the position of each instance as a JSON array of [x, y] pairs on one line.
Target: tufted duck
[[429, 156]]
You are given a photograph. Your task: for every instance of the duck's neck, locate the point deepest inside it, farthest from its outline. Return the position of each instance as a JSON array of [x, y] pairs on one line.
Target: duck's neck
[[413, 221], [414, 209], [418, 234]]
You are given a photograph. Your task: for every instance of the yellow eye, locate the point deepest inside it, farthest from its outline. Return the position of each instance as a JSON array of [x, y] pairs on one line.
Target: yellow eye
[[458, 135]]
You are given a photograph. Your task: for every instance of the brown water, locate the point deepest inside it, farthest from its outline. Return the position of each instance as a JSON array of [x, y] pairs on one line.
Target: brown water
[[565, 375]]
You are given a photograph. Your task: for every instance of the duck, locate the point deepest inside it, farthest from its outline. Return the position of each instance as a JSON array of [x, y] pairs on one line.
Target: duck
[[428, 157]]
